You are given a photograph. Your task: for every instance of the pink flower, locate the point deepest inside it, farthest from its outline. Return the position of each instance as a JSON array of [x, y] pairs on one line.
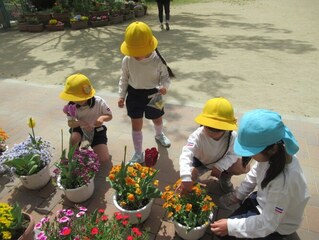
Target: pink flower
[[69, 213], [151, 156], [70, 110], [136, 231], [79, 214], [64, 219], [65, 231]]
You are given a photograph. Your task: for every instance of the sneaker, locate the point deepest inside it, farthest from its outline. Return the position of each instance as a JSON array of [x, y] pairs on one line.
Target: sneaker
[[137, 158], [225, 183], [162, 26], [163, 140], [167, 26]]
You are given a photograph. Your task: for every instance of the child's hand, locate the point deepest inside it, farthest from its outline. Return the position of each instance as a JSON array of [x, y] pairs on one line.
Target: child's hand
[[99, 121], [162, 90], [219, 227], [120, 102], [215, 172], [185, 187]]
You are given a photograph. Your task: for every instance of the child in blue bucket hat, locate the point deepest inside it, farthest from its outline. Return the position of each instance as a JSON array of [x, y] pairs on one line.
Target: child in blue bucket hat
[[276, 209]]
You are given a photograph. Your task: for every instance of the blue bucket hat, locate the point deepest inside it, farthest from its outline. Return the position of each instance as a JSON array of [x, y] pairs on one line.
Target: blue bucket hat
[[260, 128]]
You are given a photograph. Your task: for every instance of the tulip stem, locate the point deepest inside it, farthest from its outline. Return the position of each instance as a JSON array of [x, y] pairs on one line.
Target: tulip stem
[[125, 153]]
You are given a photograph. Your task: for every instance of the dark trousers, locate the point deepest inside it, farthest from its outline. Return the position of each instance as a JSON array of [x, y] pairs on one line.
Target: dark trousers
[[163, 4], [248, 209]]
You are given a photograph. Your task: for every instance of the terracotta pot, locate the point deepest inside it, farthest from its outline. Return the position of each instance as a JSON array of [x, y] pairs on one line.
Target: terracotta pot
[[35, 27], [100, 23], [28, 233], [145, 211]]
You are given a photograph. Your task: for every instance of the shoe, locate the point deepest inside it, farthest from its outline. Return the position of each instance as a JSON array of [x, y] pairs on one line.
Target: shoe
[[163, 140], [137, 158], [162, 26], [225, 183], [167, 26]]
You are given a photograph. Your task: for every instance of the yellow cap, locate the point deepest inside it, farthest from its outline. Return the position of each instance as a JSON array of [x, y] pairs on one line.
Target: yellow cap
[[77, 88], [139, 40], [218, 113]]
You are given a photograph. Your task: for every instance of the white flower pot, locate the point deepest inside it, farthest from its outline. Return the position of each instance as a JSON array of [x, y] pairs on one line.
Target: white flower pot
[[194, 234], [37, 180], [145, 211], [80, 194]]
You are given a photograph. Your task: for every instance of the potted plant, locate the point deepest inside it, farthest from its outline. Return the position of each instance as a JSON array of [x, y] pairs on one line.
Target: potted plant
[[29, 160], [79, 22], [3, 146], [116, 12], [76, 172], [79, 224], [191, 212], [136, 189], [34, 25], [15, 224], [61, 11], [55, 25], [99, 21]]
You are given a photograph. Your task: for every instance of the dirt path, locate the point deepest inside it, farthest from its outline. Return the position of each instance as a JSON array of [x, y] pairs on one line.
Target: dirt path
[[258, 54]]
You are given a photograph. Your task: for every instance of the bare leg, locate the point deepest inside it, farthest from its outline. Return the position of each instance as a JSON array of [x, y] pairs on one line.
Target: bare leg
[[103, 152]]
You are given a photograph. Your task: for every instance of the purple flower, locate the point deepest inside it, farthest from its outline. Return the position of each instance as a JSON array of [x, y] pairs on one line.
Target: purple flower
[[70, 110], [64, 219]]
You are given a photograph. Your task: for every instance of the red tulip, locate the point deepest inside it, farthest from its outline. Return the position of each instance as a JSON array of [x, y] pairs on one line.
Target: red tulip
[[151, 156]]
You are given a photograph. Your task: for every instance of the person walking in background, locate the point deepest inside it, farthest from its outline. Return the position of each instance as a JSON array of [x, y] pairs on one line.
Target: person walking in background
[[276, 209], [164, 5], [86, 114], [210, 147], [144, 74]]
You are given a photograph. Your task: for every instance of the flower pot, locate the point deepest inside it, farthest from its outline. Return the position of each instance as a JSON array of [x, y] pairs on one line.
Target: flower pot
[[116, 19], [145, 211], [35, 27], [37, 180], [79, 25], [100, 23], [129, 16], [28, 233], [194, 234], [23, 27], [80, 194], [56, 27]]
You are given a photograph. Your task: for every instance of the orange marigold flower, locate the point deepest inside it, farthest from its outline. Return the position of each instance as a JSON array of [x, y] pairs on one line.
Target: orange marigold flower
[[131, 197], [178, 207], [188, 207]]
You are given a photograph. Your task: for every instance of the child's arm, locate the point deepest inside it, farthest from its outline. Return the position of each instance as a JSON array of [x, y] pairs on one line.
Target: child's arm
[[77, 123], [103, 118]]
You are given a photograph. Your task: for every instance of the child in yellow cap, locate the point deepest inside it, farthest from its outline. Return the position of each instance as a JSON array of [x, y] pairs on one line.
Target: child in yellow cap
[[144, 74], [210, 147], [86, 114]]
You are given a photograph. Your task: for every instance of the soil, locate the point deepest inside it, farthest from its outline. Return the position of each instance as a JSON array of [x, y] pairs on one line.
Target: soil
[[258, 54]]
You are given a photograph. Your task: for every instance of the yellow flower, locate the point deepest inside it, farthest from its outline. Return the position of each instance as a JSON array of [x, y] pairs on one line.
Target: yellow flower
[[155, 183], [170, 214], [31, 123], [138, 191], [6, 235]]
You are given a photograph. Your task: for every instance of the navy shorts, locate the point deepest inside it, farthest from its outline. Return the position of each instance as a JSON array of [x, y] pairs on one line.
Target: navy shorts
[[99, 135], [136, 104]]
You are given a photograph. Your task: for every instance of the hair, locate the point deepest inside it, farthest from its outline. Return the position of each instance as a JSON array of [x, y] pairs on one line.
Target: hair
[[90, 102], [277, 162], [170, 72]]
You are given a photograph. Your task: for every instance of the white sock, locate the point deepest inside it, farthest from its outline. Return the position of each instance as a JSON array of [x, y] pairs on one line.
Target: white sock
[[158, 129], [138, 141]]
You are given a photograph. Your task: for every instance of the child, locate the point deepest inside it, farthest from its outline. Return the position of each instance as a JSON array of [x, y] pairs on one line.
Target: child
[[144, 73], [166, 5], [91, 112], [276, 209], [210, 147]]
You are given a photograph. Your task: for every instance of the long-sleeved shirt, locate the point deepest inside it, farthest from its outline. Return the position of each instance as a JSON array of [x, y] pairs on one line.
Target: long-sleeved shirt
[[148, 73], [281, 202], [208, 151]]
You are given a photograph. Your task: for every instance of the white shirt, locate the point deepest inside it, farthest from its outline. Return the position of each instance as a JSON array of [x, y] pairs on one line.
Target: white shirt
[[143, 74], [90, 115], [208, 151], [281, 202]]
